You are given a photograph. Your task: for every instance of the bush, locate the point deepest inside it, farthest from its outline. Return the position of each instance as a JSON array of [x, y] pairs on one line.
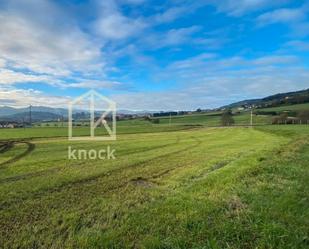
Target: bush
[[272, 113], [282, 119], [304, 116], [227, 118], [156, 121]]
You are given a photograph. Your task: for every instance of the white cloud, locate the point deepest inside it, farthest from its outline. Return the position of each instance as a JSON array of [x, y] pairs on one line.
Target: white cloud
[[242, 7], [276, 60], [196, 61], [208, 81], [113, 25], [2, 63], [205, 81], [22, 98], [170, 14], [11, 77], [281, 16], [117, 26], [95, 84], [29, 45], [40, 42], [217, 90], [169, 38], [178, 36]]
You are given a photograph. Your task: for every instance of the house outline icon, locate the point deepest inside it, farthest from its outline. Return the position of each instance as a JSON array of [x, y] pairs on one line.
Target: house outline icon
[[94, 124]]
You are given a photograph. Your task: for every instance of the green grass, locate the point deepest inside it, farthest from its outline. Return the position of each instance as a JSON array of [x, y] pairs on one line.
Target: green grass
[[298, 107], [133, 126], [197, 188], [123, 127], [214, 120]]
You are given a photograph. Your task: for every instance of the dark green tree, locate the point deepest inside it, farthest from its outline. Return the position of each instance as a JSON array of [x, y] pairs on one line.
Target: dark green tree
[[227, 118]]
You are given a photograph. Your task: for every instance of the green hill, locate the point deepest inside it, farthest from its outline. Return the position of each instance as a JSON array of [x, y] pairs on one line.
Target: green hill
[[280, 99]]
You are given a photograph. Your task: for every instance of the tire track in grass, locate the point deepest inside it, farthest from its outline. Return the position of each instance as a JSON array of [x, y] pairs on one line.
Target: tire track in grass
[[9, 146], [134, 165], [138, 182], [144, 182], [56, 169], [40, 214], [6, 146], [94, 178], [215, 167]]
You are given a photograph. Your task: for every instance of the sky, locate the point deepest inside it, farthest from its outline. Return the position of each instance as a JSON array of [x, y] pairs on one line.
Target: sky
[[152, 54]]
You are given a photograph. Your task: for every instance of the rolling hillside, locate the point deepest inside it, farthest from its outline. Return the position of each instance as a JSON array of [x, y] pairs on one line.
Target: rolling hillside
[[279, 99]]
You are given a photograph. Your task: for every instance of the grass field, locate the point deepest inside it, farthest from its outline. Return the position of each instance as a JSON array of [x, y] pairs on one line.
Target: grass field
[[298, 107], [122, 128], [182, 188], [214, 120]]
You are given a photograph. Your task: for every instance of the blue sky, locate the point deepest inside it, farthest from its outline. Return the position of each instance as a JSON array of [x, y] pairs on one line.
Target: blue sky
[[154, 55]]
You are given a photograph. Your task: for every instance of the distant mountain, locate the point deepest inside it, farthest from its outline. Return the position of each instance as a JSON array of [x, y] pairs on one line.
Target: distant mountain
[[35, 117], [6, 110], [279, 99], [57, 111]]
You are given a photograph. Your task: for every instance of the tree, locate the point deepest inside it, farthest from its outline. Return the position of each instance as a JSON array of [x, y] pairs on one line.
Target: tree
[[199, 110], [227, 118], [282, 119], [303, 116]]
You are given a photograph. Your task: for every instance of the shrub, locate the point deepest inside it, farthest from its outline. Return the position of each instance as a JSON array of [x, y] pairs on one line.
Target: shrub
[[227, 118], [304, 116], [156, 121]]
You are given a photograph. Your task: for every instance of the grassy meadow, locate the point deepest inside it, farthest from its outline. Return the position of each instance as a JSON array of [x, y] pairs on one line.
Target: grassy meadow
[[298, 107], [172, 186]]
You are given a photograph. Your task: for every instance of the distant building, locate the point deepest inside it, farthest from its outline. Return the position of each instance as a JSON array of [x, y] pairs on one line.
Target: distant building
[[11, 125]]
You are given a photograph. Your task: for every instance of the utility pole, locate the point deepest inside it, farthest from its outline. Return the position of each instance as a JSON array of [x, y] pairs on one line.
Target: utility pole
[[251, 121], [30, 116], [170, 118], [92, 116]]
